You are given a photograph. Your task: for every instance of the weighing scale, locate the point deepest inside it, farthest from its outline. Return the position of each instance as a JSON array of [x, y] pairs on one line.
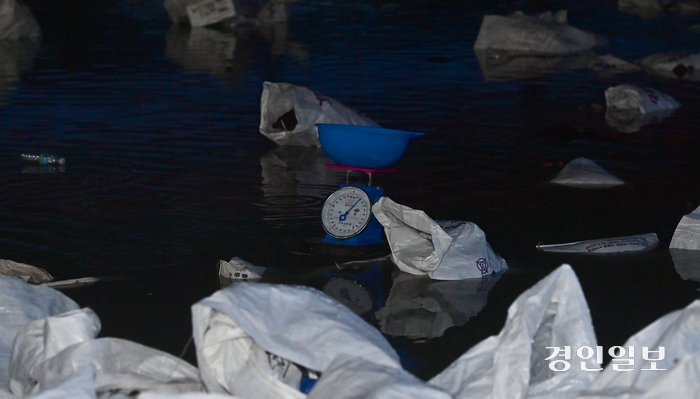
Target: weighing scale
[[347, 216]]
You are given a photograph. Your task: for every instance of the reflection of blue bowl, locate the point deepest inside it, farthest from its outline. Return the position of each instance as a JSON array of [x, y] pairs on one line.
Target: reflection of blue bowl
[[363, 146]]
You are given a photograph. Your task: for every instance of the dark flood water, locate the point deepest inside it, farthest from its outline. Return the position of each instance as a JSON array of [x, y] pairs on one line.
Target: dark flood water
[[166, 172]]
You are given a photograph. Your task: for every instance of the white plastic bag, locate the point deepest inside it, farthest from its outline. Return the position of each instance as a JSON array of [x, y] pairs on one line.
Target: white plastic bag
[[17, 21], [687, 233], [444, 250], [259, 340], [673, 64], [514, 364], [288, 114], [43, 339], [350, 377], [644, 99], [584, 173], [547, 34], [21, 303], [238, 269], [673, 375], [113, 367], [606, 246]]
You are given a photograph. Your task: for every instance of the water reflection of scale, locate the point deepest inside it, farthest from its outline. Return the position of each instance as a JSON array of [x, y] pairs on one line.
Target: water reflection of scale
[[346, 215]]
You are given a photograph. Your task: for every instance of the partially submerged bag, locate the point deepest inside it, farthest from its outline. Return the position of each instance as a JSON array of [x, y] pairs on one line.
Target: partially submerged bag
[[264, 341], [673, 64], [546, 34], [289, 114], [644, 99], [444, 250], [516, 362], [584, 173], [17, 21], [687, 233], [606, 246]]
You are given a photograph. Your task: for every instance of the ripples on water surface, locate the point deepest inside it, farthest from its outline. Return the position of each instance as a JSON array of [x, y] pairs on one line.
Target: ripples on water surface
[[166, 172]]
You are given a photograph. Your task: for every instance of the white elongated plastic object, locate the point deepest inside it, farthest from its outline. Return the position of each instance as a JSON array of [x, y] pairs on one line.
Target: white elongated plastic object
[[687, 233], [606, 246], [444, 250], [584, 173]]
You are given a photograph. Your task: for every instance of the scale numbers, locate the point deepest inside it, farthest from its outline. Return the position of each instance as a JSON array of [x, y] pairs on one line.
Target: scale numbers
[[346, 212]]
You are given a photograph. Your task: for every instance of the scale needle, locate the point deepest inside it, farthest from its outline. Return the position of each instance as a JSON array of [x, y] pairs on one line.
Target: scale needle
[[345, 215]]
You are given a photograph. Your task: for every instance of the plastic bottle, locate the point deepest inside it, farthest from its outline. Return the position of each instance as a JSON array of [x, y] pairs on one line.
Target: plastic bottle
[[44, 159]]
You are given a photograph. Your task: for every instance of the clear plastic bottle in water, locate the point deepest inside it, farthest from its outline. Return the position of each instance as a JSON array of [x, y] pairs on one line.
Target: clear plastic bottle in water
[[44, 159]]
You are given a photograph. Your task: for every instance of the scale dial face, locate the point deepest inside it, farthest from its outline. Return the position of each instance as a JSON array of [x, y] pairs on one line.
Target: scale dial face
[[346, 212]]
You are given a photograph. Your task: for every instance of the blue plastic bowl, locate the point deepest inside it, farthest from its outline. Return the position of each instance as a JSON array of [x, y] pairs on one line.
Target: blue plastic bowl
[[363, 146]]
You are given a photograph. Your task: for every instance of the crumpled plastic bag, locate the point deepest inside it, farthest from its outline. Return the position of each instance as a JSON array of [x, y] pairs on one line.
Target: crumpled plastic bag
[[22, 303], [349, 377], [238, 269], [514, 364], [43, 339], [673, 375], [584, 173], [17, 21], [644, 99], [419, 307], [546, 34], [687, 233], [444, 250], [262, 340], [48, 350], [289, 113], [58, 355]]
